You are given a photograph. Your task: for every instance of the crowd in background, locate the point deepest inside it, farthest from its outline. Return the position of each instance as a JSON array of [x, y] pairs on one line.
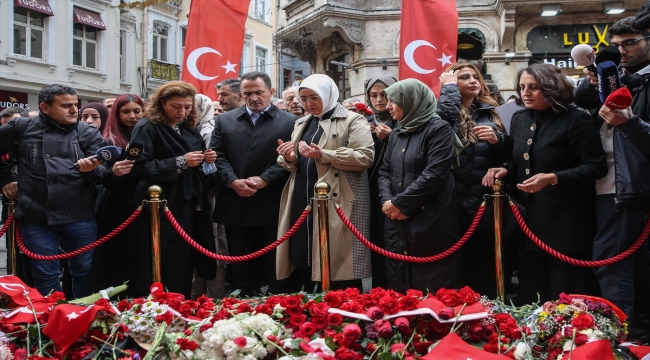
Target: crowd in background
[[408, 170]]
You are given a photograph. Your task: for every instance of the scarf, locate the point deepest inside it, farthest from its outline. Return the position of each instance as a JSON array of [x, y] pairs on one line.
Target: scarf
[[326, 89], [417, 102], [383, 116]]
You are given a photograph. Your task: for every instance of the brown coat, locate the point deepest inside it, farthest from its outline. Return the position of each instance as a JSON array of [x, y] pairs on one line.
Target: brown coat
[[348, 150]]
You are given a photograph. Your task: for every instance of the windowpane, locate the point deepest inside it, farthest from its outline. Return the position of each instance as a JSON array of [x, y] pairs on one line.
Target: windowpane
[[91, 33], [76, 52], [37, 44], [78, 30], [20, 45], [36, 18], [163, 49], [20, 14], [155, 48], [90, 55], [122, 57]]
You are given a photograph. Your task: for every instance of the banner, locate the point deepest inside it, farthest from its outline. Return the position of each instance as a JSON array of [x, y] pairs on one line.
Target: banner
[[428, 40], [213, 45]]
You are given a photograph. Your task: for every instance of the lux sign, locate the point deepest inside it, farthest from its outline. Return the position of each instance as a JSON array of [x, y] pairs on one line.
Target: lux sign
[[558, 40], [583, 38]]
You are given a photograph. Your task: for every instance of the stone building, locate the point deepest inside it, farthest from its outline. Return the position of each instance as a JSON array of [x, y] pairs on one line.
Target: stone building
[[354, 40]]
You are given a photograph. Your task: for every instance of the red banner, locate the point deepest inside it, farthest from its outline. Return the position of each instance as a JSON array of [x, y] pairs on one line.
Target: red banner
[[213, 50], [428, 40]]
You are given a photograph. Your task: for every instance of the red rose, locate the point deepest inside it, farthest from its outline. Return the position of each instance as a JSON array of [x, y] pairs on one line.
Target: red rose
[[447, 313], [583, 321], [192, 345], [296, 320], [290, 302], [581, 339], [422, 347], [335, 319], [397, 347], [308, 329], [319, 309], [488, 329], [476, 332], [402, 324], [240, 341], [294, 310], [352, 332], [344, 353], [375, 313], [384, 328], [319, 321], [439, 328]]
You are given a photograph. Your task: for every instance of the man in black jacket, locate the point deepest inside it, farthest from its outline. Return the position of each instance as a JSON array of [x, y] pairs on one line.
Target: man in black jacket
[[55, 204], [624, 194], [245, 140]]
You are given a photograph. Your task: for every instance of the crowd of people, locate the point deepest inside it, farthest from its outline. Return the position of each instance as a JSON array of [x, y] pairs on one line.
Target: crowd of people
[[409, 170]]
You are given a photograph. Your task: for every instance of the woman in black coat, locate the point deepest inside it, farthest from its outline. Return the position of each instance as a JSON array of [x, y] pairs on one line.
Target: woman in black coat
[[485, 145], [417, 191], [172, 158], [556, 159], [115, 262]]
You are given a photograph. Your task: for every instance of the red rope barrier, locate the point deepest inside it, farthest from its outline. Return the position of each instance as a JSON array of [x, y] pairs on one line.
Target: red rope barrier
[[415, 259], [6, 225], [23, 248], [584, 263], [240, 258]]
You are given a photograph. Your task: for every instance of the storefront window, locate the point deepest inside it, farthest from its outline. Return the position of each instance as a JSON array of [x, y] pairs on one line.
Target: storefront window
[[28, 32]]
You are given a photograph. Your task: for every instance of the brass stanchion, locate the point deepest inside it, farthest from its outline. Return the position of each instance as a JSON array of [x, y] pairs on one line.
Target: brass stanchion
[[498, 224], [12, 266], [154, 193], [322, 189]]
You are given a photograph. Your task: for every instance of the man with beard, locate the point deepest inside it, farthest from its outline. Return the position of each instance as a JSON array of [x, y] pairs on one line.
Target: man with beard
[[229, 94], [245, 140], [292, 103]]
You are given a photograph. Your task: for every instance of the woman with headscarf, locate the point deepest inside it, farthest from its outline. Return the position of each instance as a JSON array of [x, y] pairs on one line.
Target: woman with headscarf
[[381, 125], [95, 114], [333, 145], [417, 191]]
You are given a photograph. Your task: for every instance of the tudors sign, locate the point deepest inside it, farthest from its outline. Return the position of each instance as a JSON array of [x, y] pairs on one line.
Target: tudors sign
[[87, 17], [560, 39], [42, 6], [13, 99]]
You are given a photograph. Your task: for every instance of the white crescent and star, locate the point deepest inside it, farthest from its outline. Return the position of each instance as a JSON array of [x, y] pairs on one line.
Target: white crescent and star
[[194, 57], [409, 50]]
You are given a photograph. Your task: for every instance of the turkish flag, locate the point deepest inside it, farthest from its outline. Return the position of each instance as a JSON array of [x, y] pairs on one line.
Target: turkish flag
[[213, 46], [428, 40], [68, 322], [16, 288], [452, 347], [24, 314]]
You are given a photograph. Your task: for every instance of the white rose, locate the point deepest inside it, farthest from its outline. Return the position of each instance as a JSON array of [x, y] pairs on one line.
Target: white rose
[[522, 351]]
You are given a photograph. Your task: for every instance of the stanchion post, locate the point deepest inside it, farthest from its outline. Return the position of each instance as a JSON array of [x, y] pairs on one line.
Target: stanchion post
[[154, 202], [322, 189], [12, 266], [498, 225]]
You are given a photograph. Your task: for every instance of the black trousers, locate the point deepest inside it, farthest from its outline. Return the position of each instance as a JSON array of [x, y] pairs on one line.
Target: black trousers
[[248, 276], [300, 280]]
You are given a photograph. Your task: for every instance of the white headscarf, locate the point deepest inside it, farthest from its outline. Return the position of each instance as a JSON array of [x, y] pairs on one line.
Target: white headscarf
[[205, 109], [325, 87]]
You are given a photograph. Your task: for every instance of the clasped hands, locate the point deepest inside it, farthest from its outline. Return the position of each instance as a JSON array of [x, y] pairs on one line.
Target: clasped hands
[[392, 212], [195, 158], [286, 149]]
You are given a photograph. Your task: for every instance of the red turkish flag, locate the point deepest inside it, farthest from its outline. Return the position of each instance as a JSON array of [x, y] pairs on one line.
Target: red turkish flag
[[24, 314], [213, 45], [452, 347], [16, 288], [428, 40], [67, 323]]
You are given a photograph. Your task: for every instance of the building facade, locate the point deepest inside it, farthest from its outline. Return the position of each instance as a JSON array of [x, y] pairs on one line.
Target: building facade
[[354, 40]]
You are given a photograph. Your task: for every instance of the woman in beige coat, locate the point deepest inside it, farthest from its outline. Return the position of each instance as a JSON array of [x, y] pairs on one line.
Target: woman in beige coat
[[333, 145]]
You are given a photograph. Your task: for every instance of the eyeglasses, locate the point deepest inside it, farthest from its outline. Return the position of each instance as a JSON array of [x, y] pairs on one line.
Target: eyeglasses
[[313, 99], [628, 45]]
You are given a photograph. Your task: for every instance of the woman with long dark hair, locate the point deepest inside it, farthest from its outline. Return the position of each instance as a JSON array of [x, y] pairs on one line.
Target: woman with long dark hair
[[556, 159], [114, 261]]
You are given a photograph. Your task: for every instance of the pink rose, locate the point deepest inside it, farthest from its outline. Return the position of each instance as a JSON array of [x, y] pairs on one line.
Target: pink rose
[[402, 324], [384, 328], [375, 313], [549, 307], [351, 332]]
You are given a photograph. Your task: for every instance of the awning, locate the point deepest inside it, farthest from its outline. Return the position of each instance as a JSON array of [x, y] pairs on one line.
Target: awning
[[475, 33], [41, 6], [87, 17]]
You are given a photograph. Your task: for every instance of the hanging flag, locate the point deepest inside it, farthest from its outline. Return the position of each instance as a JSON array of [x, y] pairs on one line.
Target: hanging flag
[[67, 323], [19, 292], [213, 46], [428, 40]]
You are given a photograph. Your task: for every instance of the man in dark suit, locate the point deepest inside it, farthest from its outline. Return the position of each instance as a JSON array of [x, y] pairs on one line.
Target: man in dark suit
[[245, 140]]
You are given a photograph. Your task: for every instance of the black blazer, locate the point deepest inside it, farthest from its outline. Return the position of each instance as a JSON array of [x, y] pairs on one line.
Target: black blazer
[[244, 150]]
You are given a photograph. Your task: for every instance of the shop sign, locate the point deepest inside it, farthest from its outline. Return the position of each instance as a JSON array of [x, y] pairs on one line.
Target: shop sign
[[561, 39], [13, 99]]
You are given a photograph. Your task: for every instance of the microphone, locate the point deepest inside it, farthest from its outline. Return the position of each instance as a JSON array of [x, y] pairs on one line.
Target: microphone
[[633, 82], [609, 53], [620, 98], [105, 154], [608, 79], [584, 55], [134, 149]]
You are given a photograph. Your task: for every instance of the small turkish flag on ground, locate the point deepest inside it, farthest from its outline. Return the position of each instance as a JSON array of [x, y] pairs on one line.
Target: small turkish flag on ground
[[16, 288], [452, 347], [641, 352], [213, 45], [68, 322], [428, 40], [24, 314]]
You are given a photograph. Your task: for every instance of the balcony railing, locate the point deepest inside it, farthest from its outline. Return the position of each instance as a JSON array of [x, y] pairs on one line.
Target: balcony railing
[[164, 71]]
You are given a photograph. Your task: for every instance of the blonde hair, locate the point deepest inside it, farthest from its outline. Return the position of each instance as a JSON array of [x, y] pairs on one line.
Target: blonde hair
[[465, 120], [155, 112]]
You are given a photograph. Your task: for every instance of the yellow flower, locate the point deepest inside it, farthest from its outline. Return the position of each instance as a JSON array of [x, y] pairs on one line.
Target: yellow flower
[[561, 307]]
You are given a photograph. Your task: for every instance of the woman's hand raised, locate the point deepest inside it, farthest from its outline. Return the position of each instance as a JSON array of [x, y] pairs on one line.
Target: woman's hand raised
[[449, 77], [312, 151], [286, 150]]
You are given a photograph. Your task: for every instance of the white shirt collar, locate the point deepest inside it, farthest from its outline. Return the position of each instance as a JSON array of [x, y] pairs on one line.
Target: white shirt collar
[[251, 111]]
